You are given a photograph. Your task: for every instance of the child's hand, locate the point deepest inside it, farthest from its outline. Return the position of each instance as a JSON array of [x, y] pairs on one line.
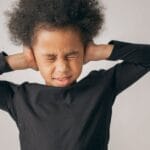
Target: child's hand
[[29, 56], [94, 52], [88, 56]]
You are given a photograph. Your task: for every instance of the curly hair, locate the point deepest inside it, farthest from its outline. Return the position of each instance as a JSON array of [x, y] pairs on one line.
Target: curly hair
[[85, 15]]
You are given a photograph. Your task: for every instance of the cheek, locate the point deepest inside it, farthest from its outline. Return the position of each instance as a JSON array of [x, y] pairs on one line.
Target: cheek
[[45, 69], [77, 66]]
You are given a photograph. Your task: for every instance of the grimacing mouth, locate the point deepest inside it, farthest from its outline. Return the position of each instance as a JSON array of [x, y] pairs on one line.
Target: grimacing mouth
[[62, 78]]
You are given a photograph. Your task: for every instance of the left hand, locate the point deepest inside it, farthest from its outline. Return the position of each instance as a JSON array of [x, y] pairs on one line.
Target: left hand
[[89, 52], [30, 58], [96, 52]]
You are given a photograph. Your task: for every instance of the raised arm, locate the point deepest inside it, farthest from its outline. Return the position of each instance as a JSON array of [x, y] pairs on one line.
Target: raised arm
[[130, 52], [6, 88], [18, 61], [136, 61]]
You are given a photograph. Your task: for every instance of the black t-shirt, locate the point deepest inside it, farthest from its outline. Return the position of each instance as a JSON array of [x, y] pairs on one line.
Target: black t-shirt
[[75, 117]]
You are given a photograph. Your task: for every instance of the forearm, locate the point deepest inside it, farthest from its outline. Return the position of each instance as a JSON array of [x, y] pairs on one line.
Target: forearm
[[17, 61], [131, 52], [103, 51]]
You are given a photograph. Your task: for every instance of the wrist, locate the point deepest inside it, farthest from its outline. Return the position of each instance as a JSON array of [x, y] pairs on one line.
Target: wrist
[[103, 51], [17, 61]]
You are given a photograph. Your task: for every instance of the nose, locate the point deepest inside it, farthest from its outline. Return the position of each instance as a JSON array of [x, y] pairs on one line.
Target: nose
[[62, 66]]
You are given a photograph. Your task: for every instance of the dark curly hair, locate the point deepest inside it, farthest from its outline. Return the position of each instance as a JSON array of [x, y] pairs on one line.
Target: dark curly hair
[[85, 15]]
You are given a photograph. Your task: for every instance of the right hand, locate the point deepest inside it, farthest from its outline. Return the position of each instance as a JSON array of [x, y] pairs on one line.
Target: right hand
[[30, 58]]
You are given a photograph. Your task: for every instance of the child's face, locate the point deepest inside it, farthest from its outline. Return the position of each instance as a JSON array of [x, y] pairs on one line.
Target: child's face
[[59, 55]]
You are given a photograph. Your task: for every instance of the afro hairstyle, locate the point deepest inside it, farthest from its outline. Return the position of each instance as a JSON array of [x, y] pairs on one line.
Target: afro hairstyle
[[85, 15]]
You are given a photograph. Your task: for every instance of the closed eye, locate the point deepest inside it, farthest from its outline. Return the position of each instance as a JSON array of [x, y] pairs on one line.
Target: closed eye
[[51, 58], [72, 56]]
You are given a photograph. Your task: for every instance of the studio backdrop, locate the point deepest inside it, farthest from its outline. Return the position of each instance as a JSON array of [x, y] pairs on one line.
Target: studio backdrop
[[125, 20]]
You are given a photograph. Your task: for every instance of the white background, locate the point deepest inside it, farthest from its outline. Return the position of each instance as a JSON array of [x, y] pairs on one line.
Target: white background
[[126, 20]]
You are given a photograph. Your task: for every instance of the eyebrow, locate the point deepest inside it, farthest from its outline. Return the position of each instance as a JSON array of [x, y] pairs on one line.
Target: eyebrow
[[72, 52]]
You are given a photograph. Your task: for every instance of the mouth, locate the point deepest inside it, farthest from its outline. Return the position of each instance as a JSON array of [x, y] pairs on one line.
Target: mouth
[[63, 81]]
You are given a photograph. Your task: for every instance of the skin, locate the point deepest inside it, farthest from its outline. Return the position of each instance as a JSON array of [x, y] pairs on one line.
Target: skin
[[59, 55]]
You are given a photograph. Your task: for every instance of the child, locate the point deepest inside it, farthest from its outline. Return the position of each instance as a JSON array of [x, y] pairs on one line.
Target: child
[[65, 114]]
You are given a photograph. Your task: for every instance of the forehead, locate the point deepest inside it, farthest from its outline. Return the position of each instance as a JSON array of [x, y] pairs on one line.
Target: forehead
[[58, 40]]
